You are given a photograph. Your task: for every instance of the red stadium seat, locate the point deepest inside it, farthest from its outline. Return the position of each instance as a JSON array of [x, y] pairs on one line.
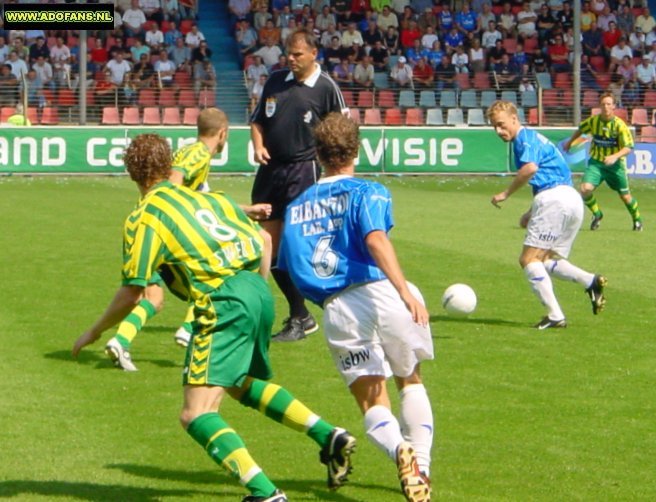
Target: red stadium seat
[[462, 81], [386, 99], [110, 116], [622, 113], [167, 98], [190, 116], [131, 115], [6, 112], [349, 98], [33, 115], [648, 134], [207, 98], [365, 99], [562, 81], [171, 116], [481, 80], [185, 26], [551, 97], [165, 26], [650, 99], [603, 79], [49, 116], [533, 118], [567, 98], [66, 97], [639, 117], [393, 117], [414, 117], [147, 97], [510, 44], [598, 63], [530, 44], [590, 99], [182, 79], [355, 115], [151, 116], [187, 98], [372, 117]]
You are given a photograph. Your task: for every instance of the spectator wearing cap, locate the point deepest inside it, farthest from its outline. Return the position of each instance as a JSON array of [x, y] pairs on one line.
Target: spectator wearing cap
[[645, 74], [618, 53], [637, 42], [401, 74], [646, 21]]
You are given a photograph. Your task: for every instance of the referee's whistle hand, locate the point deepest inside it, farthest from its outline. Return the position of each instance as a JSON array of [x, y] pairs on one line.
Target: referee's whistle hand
[[262, 156]]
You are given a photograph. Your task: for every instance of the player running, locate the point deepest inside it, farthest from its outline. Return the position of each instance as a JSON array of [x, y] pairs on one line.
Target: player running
[[555, 216]]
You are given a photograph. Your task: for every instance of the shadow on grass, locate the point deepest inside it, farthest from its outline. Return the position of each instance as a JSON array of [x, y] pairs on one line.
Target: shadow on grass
[[88, 357], [317, 489], [476, 320], [88, 491]]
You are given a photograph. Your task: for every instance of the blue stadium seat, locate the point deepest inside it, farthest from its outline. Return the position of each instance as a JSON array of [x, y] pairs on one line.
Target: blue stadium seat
[[455, 117], [487, 98], [544, 80], [427, 99], [529, 99], [509, 96], [476, 117], [407, 99], [521, 115], [468, 99], [448, 99], [381, 81]]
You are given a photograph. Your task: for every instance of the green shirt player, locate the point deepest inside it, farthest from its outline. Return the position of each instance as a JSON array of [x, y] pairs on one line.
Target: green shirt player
[[210, 253], [611, 143], [190, 168]]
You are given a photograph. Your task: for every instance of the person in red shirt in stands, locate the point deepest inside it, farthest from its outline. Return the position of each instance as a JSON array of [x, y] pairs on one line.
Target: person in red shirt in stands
[[423, 74], [409, 35], [611, 37], [559, 56]]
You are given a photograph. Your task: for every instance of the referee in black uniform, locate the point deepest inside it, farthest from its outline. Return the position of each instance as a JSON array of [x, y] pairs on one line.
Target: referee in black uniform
[[292, 103]]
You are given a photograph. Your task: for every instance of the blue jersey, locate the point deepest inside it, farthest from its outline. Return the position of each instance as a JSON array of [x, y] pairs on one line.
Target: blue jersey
[[531, 146], [446, 20], [323, 243], [467, 20]]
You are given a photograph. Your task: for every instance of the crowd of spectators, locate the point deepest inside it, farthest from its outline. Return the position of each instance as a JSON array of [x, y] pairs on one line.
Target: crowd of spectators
[[426, 44], [155, 44]]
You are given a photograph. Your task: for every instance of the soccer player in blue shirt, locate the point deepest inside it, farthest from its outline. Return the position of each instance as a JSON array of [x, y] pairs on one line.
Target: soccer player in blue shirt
[[555, 216], [336, 249]]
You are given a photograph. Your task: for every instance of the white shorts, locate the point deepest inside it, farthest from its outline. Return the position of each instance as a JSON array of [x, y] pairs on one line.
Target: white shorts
[[370, 332], [556, 217]]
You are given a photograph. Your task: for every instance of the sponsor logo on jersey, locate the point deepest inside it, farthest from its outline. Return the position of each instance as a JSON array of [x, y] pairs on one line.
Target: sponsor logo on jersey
[[270, 106], [354, 359]]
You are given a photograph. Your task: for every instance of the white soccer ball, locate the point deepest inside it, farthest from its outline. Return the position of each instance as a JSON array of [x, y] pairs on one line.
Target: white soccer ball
[[459, 300]]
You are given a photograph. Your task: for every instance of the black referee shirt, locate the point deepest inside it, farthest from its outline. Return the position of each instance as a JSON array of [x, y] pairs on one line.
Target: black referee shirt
[[288, 111]]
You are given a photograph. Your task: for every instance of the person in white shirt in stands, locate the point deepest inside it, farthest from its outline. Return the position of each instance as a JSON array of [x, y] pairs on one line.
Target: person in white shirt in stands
[[165, 69], [351, 36], [255, 71], [619, 52], [646, 74], [269, 53], [18, 66], [154, 38], [490, 36], [60, 58], [386, 19], [401, 74], [44, 72], [194, 37], [429, 38], [133, 20], [526, 20], [117, 68], [152, 10]]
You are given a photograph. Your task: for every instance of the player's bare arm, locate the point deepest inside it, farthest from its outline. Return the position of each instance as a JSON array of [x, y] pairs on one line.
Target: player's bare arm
[[611, 159], [567, 145], [522, 178], [257, 211], [383, 253], [261, 153], [124, 301]]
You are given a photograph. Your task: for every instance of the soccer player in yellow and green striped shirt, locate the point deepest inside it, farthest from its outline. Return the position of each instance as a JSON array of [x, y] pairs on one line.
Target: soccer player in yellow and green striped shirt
[[190, 168], [210, 253], [611, 143]]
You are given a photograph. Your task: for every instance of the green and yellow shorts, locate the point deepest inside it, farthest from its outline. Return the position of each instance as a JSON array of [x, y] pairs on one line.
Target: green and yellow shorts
[[614, 176]]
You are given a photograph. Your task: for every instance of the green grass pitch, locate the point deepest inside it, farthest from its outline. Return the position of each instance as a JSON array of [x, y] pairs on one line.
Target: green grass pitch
[[520, 414]]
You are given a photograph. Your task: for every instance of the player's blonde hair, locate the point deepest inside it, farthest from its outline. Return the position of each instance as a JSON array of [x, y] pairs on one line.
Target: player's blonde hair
[[501, 106], [338, 141], [211, 121], [148, 159], [607, 94]]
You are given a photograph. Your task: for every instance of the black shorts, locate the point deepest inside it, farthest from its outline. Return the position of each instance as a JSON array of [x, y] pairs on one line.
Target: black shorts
[[279, 184]]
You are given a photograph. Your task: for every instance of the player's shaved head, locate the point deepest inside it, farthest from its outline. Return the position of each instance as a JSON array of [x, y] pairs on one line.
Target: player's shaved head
[[501, 106], [211, 121], [148, 159], [338, 141]]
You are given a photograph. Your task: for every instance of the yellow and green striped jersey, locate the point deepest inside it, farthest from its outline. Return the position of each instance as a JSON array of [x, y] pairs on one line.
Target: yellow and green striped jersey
[[608, 137], [193, 161], [196, 240]]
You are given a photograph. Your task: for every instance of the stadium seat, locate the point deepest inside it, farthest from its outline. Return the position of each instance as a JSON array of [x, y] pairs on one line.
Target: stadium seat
[[164, 26], [365, 99], [407, 99], [355, 115], [381, 80], [386, 99], [393, 117], [544, 80], [130, 116], [73, 42], [182, 79], [468, 99], [622, 113], [530, 44], [33, 115], [349, 99], [455, 117], [529, 99], [190, 116], [171, 116], [372, 117], [185, 26], [551, 98], [649, 99], [521, 115], [590, 98], [110, 116], [533, 118], [476, 117], [187, 98], [53, 41], [448, 99], [91, 97], [427, 99], [639, 117], [66, 97], [414, 117], [598, 63], [510, 44], [6, 112], [481, 80], [603, 79], [509, 96], [462, 81], [49, 96], [562, 81], [49, 116], [207, 98], [130, 41], [147, 97], [151, 116], [648, 134], [487, 98], [167, 98], [567, 99], [434, 117], [393, 59]]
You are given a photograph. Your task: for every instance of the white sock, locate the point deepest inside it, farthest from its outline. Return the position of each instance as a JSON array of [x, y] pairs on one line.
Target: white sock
[[569, 272], [543, 288], [416, 420], [383, 430]]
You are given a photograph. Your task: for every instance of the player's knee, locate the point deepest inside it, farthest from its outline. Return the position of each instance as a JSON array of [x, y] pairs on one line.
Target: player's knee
[[186, 417]]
